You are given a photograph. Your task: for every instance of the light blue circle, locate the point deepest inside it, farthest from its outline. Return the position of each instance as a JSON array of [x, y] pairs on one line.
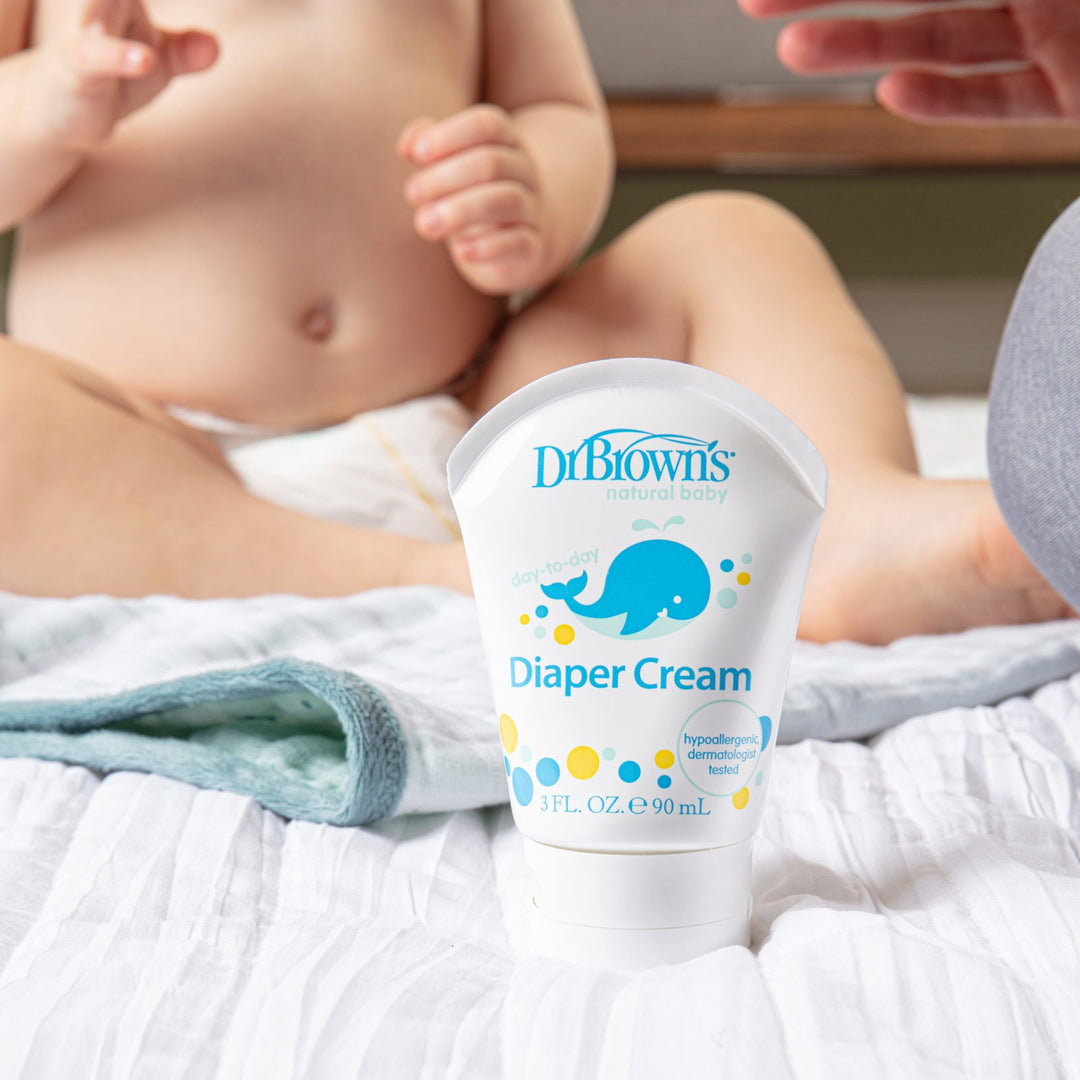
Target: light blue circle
[[506, 763], [664, 781], [727, 566], [727, 598], [758, 779], [523, 786], [629, 772], [541, 611], [538, 631], [609, 753], [747, 559], [525, 753], [547, 771]]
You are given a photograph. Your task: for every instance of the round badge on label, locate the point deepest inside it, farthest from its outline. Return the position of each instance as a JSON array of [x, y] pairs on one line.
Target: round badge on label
[[719, 746]]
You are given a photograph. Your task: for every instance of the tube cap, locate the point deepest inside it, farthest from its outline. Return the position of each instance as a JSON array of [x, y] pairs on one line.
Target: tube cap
[[634, 911]]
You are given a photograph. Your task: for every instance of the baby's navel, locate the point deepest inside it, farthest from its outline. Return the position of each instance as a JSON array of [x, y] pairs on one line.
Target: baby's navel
[[318, 321]]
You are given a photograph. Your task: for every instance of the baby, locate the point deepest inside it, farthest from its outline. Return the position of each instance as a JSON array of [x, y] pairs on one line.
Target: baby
[[314, 208]]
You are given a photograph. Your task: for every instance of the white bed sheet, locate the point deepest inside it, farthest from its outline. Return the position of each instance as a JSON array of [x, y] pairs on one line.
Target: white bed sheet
[[917, 913]]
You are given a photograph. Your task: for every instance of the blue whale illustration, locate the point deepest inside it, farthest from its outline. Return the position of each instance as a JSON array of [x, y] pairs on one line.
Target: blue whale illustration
[[644, 582]]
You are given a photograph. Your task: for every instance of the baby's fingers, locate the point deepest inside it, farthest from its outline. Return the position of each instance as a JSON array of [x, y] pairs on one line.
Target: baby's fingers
[[505, 202], [480, 125], [409, 135], [472, 168], [93, 55], [514, 243], [186, 52]]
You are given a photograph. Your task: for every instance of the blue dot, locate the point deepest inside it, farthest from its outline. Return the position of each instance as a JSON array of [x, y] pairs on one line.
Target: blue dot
[[727, 566], [747, 559], [629, 771], [541, 611], [547, 771], [766, 730], [506, 763], [664, 781], [523, 787]]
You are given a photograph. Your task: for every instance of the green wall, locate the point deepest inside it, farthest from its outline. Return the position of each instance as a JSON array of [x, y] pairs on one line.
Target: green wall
[[892, 224]]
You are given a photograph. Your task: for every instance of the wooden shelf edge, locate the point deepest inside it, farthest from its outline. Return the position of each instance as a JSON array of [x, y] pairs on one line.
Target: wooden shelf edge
[[818, 135]]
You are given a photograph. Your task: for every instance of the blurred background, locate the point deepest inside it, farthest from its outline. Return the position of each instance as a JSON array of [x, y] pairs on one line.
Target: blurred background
[[930, 227]]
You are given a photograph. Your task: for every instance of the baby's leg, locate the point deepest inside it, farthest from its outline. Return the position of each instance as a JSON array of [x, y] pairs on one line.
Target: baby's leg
[[1034, 438], [733, 283], [102, 492]]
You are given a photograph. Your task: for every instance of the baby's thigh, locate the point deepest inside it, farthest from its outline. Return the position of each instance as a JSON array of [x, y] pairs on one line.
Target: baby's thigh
[[30, 378], [641, 296]]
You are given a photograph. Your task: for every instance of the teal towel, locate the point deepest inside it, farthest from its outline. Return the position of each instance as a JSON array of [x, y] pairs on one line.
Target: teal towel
[[302, 739], [350, 710]]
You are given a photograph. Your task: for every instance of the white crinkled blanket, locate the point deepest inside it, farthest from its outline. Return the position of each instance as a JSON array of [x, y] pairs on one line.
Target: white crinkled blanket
[[918, 901], [917, 896]]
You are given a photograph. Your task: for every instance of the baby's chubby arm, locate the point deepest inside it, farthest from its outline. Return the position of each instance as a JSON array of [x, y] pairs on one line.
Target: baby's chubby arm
[[62, 98], [517, 187]]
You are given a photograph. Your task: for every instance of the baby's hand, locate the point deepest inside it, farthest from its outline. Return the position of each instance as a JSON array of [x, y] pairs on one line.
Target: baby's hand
[[476, 188], [113, 62]]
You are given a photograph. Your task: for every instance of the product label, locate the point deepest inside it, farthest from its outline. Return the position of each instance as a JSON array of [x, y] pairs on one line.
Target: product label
[[634, 576], [649, 590], [634, 455]]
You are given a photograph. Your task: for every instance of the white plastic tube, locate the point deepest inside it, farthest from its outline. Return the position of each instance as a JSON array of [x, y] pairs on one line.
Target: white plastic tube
[[638, 534]]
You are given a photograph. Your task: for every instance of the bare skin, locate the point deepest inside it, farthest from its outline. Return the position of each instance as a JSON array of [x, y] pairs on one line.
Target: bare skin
[[195, 232], [932, 58]]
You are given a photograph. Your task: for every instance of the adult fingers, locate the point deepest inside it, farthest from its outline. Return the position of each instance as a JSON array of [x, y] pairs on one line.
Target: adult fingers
[[470, 168], [505, 202], [480, 125], [928, 96], [945, 38], [768, 9]]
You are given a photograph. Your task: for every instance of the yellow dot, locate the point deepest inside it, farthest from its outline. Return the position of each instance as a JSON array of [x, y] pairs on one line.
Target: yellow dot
[[743, 578], [664, 759], [582, 762], [564, 634], [508, 733], [740, 799], [524, 620]]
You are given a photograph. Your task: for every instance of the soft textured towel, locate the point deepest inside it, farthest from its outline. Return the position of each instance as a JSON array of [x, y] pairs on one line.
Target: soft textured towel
[[347, 711], [350, 710]]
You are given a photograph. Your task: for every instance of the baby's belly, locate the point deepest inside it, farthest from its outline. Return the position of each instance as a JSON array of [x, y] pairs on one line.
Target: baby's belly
[[237, 313], [253, 256]]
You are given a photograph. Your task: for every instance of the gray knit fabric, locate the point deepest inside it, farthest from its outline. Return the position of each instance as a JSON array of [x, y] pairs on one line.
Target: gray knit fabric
[[1034, 430]]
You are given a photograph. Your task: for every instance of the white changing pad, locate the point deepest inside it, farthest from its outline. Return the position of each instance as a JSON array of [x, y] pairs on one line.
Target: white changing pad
[[917, 906]]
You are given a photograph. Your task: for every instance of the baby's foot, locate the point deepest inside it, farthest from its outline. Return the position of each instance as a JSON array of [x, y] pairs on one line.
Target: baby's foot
[[899, 554]]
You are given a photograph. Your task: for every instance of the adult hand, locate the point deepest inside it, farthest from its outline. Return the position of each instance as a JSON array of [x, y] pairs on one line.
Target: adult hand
[[925, 51], [476, 189], [112, 62]]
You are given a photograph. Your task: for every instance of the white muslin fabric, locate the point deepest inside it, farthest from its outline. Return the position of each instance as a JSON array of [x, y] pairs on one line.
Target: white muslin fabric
[[917, 894]]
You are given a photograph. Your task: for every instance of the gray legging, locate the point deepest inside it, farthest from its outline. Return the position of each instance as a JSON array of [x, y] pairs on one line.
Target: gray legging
[[1034, 436]]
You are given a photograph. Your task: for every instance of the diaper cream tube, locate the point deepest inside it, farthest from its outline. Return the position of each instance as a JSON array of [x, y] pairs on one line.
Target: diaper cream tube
[[638, 534]]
